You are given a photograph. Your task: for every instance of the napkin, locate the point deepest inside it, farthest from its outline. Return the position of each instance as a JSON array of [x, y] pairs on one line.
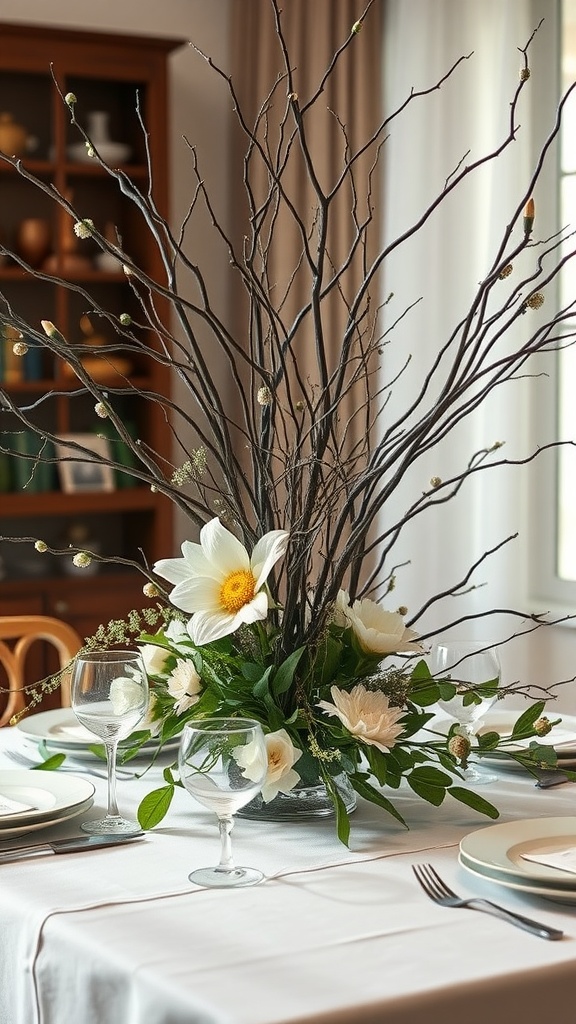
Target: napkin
[[8, 806], [564, 859]]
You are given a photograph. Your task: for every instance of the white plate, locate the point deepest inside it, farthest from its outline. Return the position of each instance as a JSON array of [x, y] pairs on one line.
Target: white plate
[[21, 830], [500, 848], [59, 729], [50, 794], [548, 890]]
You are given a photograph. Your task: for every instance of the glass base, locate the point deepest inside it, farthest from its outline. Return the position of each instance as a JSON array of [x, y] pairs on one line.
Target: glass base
[[215, 878], [302, 802], [475, 778], [111, 825]]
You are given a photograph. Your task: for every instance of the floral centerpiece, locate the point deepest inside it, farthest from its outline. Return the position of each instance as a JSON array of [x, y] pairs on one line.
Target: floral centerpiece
[[287, 452]]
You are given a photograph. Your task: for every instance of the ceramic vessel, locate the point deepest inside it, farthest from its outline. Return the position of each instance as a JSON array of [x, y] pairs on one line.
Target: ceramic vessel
[[33, 240], [13, 136]]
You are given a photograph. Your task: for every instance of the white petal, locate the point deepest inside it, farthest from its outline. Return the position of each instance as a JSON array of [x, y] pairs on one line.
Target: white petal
[[198, 564], [207, 626], [197, 595], [254, 611], [222, 549], [175, 570], [268, 550]]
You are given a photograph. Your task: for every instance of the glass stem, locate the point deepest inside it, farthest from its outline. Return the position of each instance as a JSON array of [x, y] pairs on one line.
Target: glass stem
[[111, 765], [225, 826]]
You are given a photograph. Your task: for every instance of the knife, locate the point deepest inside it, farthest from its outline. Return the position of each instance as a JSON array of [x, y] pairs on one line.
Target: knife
[[547, 779], [76, 845]]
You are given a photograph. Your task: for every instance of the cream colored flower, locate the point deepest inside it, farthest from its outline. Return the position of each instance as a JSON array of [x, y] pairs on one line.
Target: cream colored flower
[[219, 582], [149, 722], [154, 659], [126, 694], [377, 631], [366, 714], [280, 774], [185, 685], [282, 756]]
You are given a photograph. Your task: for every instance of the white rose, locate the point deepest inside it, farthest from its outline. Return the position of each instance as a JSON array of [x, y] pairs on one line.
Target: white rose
[[377, 631], [282, 755], [154, 659], [185, 685], [126, 694]]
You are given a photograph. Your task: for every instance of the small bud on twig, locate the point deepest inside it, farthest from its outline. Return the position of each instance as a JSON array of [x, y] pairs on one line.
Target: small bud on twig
[[528, 216], [84, 228], [82, 560]]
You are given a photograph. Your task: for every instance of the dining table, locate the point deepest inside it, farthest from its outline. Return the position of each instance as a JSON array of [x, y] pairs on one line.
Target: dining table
[[334, 934]]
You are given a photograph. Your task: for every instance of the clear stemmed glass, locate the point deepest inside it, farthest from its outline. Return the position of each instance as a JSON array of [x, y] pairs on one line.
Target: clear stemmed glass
[[109, 695], [474, 667], [223, 763]]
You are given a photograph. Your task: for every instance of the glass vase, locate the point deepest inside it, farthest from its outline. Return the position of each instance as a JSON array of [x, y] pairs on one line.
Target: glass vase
[[306, 800]]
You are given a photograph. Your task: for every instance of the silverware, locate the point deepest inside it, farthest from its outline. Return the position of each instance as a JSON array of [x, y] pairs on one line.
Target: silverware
[[547, 779], [77, 845], [438, 891], [79, 766]]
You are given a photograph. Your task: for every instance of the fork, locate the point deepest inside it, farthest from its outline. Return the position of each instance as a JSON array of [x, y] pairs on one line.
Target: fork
[[439, 892], [86, 769]]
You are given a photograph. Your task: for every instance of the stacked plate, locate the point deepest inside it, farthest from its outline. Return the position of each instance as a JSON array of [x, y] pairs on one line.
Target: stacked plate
[[60, 731], [45, 798], [497, 853]]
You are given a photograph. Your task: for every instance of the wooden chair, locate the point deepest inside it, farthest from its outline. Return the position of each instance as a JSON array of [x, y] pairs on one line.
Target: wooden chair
[[23, 631]]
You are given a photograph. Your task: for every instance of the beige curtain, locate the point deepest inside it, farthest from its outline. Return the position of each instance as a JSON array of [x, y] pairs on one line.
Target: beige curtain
[[345, 115], [313, 31]]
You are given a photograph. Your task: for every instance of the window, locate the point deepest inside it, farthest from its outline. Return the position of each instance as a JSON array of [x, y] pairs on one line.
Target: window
[[553, 550]]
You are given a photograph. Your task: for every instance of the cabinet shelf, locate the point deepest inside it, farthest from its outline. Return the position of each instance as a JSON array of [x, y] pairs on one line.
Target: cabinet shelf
[[56, 503]]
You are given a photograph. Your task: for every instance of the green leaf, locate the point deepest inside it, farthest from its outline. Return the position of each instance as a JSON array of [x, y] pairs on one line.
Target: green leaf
[[487, 740], [342, 819], [369, 792], [155, 806], [284, 675], [473, 800], [50, 764], [526, 720], [429, 783]]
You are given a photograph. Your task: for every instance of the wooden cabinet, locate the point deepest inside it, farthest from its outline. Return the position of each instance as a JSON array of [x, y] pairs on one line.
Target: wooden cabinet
[[120, 84]]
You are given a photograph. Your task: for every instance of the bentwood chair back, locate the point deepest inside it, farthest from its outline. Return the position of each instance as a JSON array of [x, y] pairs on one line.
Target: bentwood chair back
[[18, 633]]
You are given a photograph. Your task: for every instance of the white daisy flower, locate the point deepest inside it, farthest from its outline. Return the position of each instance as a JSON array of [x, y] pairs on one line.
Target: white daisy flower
[[219, 582]]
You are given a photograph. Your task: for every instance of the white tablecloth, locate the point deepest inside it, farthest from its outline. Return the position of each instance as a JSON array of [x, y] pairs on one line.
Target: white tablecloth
[[333, 935]]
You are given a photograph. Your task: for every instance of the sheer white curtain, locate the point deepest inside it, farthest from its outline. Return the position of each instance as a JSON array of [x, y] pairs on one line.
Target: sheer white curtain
[[442, 267]]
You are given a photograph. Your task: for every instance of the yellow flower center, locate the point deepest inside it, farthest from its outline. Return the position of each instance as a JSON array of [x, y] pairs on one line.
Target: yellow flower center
[[237, 590]]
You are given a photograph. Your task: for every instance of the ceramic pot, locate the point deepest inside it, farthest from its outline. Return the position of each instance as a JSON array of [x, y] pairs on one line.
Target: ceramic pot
[[13, 136], [33, 240]]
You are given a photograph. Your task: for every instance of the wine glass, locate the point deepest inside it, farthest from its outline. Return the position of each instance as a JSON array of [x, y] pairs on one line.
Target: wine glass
[[223, 764], [109, 695], [474, 667]]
